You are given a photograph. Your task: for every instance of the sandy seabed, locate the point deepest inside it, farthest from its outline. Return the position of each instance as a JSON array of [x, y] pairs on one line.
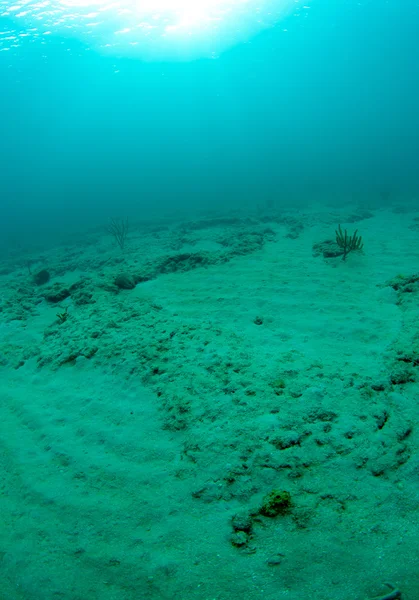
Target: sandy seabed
[[159, 402]]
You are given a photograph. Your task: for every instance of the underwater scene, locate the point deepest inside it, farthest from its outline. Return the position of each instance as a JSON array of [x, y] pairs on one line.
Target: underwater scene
[[209, 299]]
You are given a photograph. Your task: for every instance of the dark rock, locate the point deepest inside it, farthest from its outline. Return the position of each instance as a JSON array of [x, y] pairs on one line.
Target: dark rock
[[275, 503], [242, 522], [275, 560], [328, 248], [41, 277], [56, 293], [239, 538], [123, 281]]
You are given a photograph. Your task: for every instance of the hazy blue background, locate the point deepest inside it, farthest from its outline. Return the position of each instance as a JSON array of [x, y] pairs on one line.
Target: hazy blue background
[[329, 109]]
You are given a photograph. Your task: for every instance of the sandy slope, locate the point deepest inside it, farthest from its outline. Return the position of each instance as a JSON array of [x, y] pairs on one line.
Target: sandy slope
[[134, 433]]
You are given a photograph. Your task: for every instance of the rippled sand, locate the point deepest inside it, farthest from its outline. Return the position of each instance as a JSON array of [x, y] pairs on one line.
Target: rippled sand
[[141, 436]]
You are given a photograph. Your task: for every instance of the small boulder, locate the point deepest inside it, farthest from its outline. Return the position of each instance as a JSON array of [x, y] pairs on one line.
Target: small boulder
[[41, 277], [123, 281]]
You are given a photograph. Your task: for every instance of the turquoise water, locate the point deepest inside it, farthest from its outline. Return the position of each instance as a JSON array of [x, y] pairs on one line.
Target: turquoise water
[[209, 300], [321, 104]]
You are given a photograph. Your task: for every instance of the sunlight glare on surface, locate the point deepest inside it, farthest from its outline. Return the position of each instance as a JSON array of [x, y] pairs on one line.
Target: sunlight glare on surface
[[149, 28]]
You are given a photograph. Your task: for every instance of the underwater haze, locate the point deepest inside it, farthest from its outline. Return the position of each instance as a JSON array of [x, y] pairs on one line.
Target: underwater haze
[[323, 102], [209, 299]]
